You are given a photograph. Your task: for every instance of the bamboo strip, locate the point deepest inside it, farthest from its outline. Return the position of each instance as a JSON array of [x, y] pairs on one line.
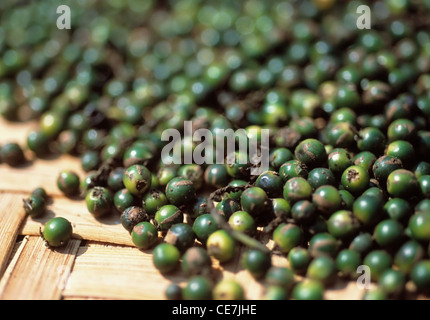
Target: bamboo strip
[[39, 273], [43, 173], [11, 217], [116, 272], [85, 226]]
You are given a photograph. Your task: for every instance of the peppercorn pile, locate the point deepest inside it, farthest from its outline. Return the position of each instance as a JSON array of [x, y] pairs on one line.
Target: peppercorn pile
[[348, 112]]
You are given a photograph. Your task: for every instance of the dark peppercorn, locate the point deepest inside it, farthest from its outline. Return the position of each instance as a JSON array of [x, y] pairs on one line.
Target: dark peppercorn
[[131, 216]]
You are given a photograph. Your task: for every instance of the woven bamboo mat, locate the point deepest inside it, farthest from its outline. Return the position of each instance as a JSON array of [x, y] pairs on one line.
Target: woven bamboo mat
[[100, 262]]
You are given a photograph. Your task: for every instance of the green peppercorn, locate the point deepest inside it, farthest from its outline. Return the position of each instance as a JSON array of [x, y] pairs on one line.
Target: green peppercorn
[[421, 168], [364, 159], [402, 183], [38, 142], [51, 123], [355, 179], [57, 232], [228, 289], [273, 292], [281, 277], [40, 192], [256, 262], [221, 245], [298, 259], [304, 212], [181, 235], [419, 226], [180, 191], [281, 208], [371, 139], [68, 182], [423, 205], [347, 262], [401, 129], [226, 207], [322, 269], [90, 160], [198, 288], [167, 216], [279, 156], [196, 261], [367, 209], [235, 195], [420, 275], [398, 209], [383, 166], [271, 183], [347, 199], [144, 235], [297, 189], [173, 292], [204, 226], [326, 199], [342, 224], [323, 244], [308, 290], [362, 243], [153, 200], [242, 221], [321, 176], [378, 261], [137, 179], [238, 168], [34, 206], [115, 179], [99, 201], [339, 160], [375, 294], [424, 184], [292, 169], [255, 201], [165, 257], [12, 154], [311, 152], [388, 233], [402, 150], [408, 255], [123, 199], [287, 236], [137, 154], [165, 174], [194, 173], [216, 175]]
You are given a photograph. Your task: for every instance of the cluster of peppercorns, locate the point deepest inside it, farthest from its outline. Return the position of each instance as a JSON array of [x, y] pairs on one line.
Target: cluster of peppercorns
[[348, 112]]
